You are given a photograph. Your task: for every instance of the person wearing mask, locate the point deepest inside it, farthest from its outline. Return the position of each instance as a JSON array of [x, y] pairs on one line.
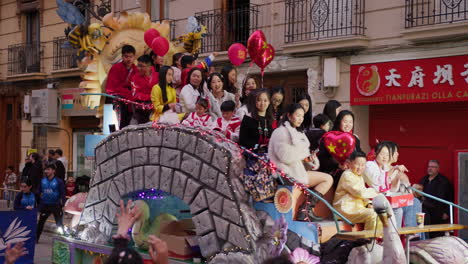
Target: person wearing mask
[[52, 198], [118, 84]]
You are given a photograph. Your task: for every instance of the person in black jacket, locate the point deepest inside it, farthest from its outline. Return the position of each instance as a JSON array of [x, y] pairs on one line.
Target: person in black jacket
[[439, 186], [60, 171], [257, 126], [36, 171], [345, 123]]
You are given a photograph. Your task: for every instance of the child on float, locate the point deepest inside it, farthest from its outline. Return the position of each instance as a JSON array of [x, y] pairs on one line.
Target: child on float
[[228, 124], [250, 84], [288, 149], [201, 116], [217, 94], [26, 199], [352, 198]]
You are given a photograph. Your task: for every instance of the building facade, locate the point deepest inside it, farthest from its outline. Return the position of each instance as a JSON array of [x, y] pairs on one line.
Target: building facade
[[321, 45]]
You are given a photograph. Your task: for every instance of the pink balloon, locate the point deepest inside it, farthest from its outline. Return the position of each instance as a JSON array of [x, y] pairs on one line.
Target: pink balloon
[[150, 35], [160, 46], [237, 53]]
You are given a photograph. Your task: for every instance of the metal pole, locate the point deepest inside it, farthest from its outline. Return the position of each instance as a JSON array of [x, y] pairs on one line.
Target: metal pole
[[451, 214]]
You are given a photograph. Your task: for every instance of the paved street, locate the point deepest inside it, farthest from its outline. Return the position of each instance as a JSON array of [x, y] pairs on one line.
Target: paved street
[[43, 254]]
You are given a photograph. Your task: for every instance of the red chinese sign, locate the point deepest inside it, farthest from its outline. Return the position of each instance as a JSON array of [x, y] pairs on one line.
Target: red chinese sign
[[443, 79]]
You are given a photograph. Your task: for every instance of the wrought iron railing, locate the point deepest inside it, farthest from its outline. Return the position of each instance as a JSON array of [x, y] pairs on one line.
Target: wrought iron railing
[[431, 12], [24, 58], [321, 19], [64, 58], [227, 27], [172, 25]]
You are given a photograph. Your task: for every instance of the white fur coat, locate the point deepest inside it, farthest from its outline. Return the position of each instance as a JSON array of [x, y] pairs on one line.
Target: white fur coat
[[287, 149]]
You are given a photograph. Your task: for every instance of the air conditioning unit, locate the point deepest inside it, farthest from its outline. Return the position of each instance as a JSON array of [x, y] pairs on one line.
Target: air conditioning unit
[[44, 106]]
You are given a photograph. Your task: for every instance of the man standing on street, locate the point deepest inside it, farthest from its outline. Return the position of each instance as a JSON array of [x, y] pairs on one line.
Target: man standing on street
[[439, 186], [59, 156], [52, 198], [60, 170]]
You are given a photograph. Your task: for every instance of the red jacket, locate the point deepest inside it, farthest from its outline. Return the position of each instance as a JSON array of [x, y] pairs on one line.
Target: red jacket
[[142, 85], [203, 65], [118, 80]]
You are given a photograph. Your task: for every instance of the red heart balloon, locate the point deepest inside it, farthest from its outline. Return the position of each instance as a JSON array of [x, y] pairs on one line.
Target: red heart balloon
[[339, 144], [150, 35], [237, 54], [265, 58], [256, 44], [160, 46]]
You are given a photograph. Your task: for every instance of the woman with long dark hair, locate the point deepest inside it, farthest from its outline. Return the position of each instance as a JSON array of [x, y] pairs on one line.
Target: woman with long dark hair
[[229, 74], [249, 86], [257, 126], [194, 89], [331, 109], [217, 93], [345, 123], [177, 68], [163, 95], [277, 99], [288, 149], [306, 102]]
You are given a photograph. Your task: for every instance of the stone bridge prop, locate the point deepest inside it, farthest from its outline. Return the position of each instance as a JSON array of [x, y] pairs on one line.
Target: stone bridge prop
[[190, 164]]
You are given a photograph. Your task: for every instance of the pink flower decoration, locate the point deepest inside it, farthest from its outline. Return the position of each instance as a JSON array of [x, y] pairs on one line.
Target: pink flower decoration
[[302, 256]]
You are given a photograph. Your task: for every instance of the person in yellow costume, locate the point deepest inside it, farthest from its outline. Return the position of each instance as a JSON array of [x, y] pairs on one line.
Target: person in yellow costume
[[352, 198], [163, 95]]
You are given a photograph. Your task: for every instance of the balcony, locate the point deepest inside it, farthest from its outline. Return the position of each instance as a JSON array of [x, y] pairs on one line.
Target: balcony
[[435, 20], [227, 27], [324, 25], [64, 58], [25, 60]]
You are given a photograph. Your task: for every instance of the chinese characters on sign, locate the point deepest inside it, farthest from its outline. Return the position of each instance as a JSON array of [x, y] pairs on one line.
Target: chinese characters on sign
[[441, 79]]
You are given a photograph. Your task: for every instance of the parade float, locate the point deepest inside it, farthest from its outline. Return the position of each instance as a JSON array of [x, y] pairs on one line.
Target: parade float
[[188, 182]]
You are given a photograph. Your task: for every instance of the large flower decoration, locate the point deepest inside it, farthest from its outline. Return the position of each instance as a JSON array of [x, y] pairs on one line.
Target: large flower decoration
[[279, 235], [302, 256]]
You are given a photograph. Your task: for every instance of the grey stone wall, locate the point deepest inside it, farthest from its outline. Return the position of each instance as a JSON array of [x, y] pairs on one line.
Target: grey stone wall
[[193, 166]]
